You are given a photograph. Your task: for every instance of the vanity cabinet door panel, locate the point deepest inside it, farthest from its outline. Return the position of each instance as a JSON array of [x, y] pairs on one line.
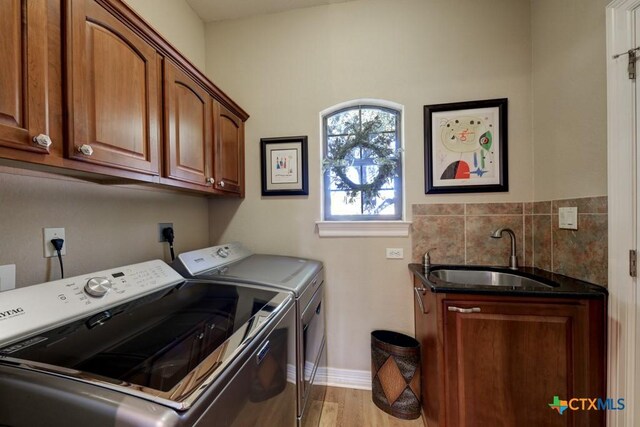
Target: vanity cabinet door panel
[[23, 73], [229, 151], [505, 361], [188, 128], [113, 91]]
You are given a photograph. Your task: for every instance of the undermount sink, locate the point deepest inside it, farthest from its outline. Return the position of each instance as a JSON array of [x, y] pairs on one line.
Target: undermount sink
[[487, 278]]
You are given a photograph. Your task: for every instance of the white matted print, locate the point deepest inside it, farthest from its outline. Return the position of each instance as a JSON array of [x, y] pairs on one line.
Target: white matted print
[[284, 165], [466, 146]]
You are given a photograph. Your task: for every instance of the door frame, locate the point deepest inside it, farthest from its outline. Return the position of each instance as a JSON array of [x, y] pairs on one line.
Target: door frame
[[622, 187]]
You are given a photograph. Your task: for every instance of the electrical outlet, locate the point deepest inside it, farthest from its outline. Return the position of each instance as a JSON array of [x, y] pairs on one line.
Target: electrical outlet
[[7, 277], [395, 253], [162, 226], [53, 233]]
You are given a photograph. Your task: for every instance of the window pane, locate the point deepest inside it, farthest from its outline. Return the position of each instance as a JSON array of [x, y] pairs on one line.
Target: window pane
[[387, 120], [336, 124], [377, 127], [342, 205]]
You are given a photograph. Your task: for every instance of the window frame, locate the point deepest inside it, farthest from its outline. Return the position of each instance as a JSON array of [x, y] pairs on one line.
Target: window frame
[[399, 181]]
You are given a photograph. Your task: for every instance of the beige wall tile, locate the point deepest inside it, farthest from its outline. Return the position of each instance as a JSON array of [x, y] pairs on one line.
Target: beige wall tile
[[542, 207], [484, 250], [439, 209], [582, 253], [528, 241], [494, 208], [542, 241], [445, 233], [584, 205], [528, 208]]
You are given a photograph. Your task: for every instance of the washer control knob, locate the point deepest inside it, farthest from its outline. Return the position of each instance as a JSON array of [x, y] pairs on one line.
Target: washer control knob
[[97, 286], [223, 252]]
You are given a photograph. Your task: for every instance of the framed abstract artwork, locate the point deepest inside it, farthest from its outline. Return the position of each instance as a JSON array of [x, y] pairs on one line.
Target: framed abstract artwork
[[284, 166], [465, 147]]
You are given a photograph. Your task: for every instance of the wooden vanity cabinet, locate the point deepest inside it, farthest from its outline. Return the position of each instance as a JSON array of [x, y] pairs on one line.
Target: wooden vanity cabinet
[[188, 129], [24, 76], [500, 360], [113, 87]]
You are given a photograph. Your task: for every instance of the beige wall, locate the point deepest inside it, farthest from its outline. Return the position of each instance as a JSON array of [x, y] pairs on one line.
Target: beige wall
[[569, 98], [286, 68], [105, 226], [176, 22]]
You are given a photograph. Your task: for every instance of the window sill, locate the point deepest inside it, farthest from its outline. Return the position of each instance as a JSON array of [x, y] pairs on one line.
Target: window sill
[[363, 228]]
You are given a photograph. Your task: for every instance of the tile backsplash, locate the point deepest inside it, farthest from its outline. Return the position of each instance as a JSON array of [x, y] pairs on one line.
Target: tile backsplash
[[460, 233]]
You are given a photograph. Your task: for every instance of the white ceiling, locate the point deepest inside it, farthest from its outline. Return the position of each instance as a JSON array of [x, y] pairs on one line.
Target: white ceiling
[[220, 10]]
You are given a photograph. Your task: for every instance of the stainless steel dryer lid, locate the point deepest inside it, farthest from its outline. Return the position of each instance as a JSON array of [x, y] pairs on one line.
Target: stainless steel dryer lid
[[234, 262]]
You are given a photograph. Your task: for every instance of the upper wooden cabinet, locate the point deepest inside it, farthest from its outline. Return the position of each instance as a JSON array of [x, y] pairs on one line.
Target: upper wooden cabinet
[[23, 74], [229, 151], [117, 100], [113, 87], [188, 128]]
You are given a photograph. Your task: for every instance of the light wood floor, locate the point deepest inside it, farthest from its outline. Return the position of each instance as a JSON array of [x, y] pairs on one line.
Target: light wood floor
[[354, 408]]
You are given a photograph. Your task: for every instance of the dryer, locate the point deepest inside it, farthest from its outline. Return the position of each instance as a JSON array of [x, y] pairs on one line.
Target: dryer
[[234, 262]]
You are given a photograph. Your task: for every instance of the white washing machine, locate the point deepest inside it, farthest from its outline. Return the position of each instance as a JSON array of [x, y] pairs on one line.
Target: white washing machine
[[141, 346]]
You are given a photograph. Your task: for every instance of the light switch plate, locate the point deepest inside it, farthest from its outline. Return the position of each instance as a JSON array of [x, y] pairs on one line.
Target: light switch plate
[[7, 277], [568, 218]]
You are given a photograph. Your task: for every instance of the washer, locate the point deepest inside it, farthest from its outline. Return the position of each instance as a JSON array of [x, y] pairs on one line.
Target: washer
[[305, 278], [141, 346]]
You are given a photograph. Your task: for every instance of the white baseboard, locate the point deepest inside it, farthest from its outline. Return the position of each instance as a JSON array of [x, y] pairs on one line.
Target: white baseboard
[[344, 378]]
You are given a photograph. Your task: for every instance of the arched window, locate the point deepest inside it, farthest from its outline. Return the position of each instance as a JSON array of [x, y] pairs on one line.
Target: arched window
[[362, 162]]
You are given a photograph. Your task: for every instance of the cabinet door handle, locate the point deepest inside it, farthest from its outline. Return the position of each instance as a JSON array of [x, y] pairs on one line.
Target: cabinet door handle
[[211, 181], [221, 183], [464, 310], [419, 292]]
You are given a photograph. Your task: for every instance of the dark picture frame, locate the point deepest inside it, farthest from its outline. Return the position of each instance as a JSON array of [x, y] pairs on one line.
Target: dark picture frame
[[284, 164], [466, 147]]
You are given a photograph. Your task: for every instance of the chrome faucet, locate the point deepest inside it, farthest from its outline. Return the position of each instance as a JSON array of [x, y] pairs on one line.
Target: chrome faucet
[[426, 262], [513, 260]]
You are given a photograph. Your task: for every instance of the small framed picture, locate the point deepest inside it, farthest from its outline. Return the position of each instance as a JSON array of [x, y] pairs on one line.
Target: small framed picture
[[284, 166], [465, 148]]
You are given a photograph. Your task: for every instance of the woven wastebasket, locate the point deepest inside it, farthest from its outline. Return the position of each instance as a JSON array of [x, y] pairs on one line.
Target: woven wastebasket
[[395, 372]]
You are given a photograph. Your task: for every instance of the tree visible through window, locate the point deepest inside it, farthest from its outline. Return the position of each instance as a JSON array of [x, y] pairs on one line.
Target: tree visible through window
[[362, 164]]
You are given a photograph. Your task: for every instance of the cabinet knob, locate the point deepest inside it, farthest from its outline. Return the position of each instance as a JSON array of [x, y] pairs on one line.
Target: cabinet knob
[[210, 181], [221, 184], [42, 141], [85, 149]]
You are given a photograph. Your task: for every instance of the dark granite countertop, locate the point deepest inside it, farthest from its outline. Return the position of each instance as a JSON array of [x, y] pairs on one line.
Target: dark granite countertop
[[560, 286]]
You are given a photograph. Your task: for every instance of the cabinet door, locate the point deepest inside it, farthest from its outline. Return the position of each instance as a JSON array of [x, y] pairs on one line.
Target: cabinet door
[[113, 91], [188, 127], [505, 362], [23, 73], [229, 151]]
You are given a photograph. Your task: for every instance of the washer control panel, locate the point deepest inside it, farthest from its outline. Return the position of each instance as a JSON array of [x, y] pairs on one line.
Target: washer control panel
[[201, 260], [25, 311]]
